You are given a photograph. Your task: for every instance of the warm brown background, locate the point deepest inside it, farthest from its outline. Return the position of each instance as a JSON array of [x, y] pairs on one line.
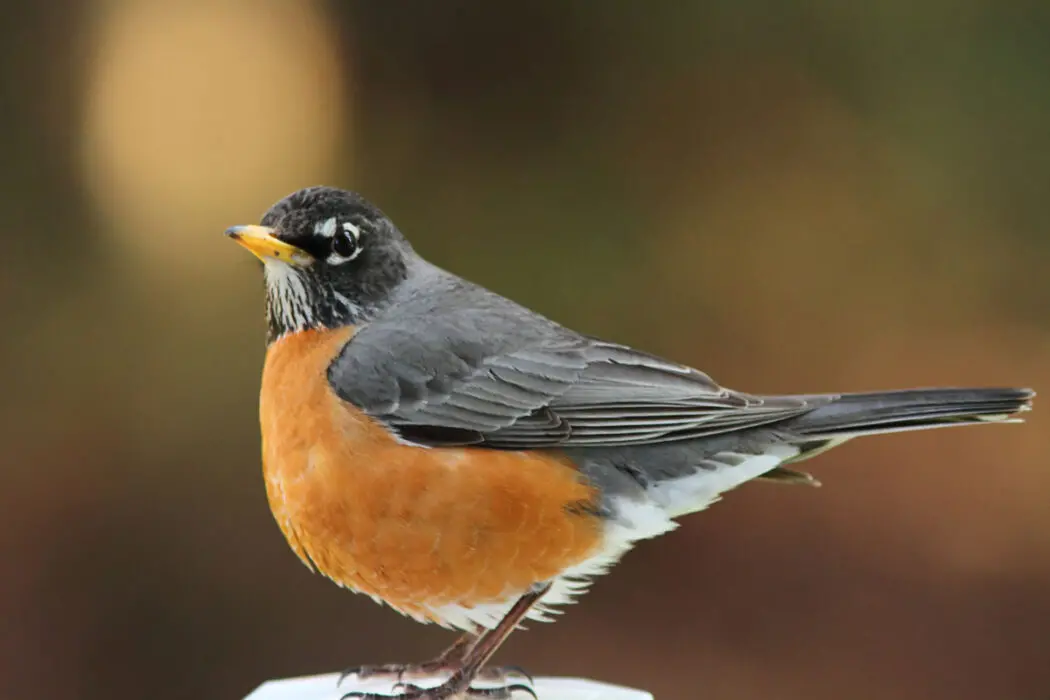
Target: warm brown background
[[795, 196]]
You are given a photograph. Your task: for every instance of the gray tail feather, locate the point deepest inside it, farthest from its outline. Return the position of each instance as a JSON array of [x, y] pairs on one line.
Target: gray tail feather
[[851, 415]]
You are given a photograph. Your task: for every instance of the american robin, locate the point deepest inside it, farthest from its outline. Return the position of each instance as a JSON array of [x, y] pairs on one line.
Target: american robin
[[471, 463]]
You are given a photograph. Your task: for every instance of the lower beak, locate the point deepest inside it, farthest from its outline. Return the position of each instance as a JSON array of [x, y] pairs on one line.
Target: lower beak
[[264, 244]]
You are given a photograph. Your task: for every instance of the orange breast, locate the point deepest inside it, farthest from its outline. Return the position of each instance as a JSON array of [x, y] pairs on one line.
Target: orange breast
[[416, 527]]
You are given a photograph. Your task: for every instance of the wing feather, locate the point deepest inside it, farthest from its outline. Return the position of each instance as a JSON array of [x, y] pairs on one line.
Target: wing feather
[[561, 392]]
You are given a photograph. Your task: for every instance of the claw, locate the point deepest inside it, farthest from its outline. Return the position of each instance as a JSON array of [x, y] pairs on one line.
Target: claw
[[359, 695], [410, 691], [501, 673], [505, 692], [527, 689], [519, 671]]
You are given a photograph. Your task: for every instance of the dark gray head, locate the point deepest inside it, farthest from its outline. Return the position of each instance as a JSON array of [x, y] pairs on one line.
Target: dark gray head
[[330, 259]]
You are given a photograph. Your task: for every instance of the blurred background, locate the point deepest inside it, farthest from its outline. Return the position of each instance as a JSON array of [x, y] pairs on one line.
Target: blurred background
[[796, 196]]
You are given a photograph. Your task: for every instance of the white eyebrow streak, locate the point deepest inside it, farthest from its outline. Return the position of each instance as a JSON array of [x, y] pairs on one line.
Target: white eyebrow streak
[[326, 228]]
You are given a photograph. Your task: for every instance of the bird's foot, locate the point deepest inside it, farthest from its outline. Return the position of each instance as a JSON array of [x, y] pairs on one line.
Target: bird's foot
[[456, 688], [398, 672], [432, 669], [446, 664], [464, 662]]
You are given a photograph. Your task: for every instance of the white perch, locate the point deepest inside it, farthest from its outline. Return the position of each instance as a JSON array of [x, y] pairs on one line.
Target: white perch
[[324, 687]]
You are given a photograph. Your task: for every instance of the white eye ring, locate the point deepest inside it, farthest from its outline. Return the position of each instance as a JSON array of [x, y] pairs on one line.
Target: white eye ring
[[349, 232]]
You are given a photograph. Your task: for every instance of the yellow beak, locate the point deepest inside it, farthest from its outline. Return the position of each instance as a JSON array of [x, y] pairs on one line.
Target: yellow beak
[[263, 244]]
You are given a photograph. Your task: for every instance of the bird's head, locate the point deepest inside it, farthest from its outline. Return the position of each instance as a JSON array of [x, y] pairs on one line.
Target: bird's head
[[330, 259]]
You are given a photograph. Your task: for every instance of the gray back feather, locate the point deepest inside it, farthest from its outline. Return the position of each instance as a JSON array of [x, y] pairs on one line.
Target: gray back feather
[[459, 365]]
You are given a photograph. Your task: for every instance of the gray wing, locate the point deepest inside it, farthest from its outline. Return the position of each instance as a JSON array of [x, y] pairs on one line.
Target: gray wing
[[620, 396], [442, 381]]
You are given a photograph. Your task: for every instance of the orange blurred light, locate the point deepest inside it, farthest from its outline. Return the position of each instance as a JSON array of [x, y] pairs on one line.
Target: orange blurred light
[[198, 114]]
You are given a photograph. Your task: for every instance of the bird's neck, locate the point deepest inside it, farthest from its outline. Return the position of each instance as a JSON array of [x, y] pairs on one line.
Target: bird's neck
[[296, 302]]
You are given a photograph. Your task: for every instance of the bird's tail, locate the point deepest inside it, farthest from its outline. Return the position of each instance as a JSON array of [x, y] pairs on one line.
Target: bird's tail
[[846, 416], [853, 415]]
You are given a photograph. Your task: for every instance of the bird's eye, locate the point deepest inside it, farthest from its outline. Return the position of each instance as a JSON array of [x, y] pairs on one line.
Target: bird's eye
[[346, 244]]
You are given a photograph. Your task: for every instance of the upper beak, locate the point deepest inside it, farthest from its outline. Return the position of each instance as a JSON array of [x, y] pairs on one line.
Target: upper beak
[[264, 244]]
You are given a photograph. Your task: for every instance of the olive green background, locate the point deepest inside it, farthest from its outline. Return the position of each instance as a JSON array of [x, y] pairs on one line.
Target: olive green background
[[797, 196]]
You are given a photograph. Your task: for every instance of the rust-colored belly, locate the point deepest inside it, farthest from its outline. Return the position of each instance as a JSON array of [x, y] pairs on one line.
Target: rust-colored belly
[[416, 527]]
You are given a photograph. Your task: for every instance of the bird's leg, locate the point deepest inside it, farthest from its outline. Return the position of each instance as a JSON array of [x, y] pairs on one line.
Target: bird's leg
[[468, 668]]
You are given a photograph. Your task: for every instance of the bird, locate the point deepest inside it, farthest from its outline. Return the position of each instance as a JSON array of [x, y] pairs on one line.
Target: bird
[[469, 462]]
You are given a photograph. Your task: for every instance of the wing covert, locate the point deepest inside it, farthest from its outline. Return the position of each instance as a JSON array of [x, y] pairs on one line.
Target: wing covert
[[556, 390]]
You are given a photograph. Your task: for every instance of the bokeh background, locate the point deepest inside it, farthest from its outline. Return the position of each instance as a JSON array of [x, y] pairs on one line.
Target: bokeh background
[[794, 196]]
